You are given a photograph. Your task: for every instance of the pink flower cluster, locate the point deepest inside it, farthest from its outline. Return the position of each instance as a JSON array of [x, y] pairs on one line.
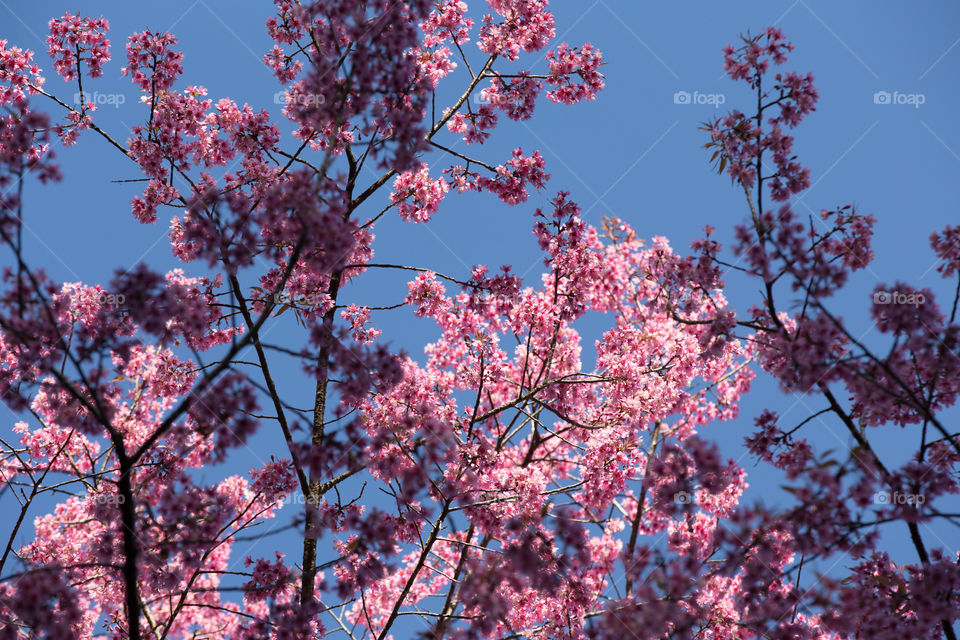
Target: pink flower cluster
[[819, 261], [517, 97], [19, 74], [380, 73], [474, 124], [740, 141], [527, 25], [269, 579], [24, 144], [752, 59], [74, 40], [358, 318], [544, 577], [510, 181], [574, 73], [426, 194], [427, 295], [151, 62], [946, 245], [447, 20], [285, 68], [513, 177], [184, 132]]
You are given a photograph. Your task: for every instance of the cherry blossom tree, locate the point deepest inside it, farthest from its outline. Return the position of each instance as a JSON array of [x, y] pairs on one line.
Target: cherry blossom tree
[[844, 500], [527, 493]]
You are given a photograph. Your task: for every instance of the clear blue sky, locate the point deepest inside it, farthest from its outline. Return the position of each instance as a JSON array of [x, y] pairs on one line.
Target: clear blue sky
[[633, 153]]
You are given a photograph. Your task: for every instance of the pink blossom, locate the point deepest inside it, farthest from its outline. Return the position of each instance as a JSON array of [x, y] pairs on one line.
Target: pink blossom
[[426, 194], [74, 40], [19, 74], [574, 73], [151, 62]]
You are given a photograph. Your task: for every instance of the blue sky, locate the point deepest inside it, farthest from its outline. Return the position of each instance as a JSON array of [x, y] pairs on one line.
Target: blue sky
[[634, 153]]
